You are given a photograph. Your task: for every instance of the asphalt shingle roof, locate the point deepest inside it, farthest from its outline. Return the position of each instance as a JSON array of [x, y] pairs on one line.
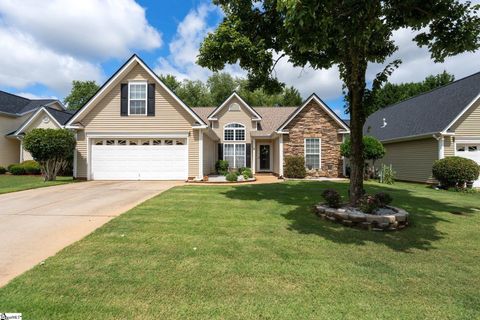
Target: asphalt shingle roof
[[13, 104], [430, 112], [62, 116], [272, 117]]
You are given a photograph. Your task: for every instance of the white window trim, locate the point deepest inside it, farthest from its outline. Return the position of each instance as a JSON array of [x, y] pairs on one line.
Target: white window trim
[[235, 155], [234, 132], [130, 83], [319, 152]]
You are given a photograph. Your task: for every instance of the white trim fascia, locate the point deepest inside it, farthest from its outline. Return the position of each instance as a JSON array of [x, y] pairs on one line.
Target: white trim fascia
[[120, 72], [280, 152], [27, 123], [74, 127], [200, 127], [344, 131], [324, 107], [463, 140], [200, 154], [461, 114], [56, 101], [441, 147], [136, 135], [234, 94], [412, 137]]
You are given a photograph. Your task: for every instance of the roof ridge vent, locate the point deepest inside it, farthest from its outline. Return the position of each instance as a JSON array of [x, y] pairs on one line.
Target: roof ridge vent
[[384, 123]]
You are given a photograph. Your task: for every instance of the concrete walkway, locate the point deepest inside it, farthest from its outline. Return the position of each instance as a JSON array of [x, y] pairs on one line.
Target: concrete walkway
[[36, 224]]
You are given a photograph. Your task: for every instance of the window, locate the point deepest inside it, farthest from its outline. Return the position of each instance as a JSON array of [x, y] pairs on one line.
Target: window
[[99, 143], [146, 143], [137, 98], [179, 142], [110, 142], [168, 142], [472, 148], [157, 142], [122, 142], [460, 148], [234, 132], [312, 153], [132, 142], [234, 153]]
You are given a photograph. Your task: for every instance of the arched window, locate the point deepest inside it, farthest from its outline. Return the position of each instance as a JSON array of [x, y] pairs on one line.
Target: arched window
[[234, 132]]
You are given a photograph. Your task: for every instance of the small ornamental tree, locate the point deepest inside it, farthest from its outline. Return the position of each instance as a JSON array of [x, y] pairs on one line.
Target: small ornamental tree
[[373, 149], [51, 148]]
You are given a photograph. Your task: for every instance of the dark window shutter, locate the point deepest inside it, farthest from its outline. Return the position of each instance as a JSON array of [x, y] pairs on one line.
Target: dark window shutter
[[151, 100], [124, 99], [248, 155], [220, 151]]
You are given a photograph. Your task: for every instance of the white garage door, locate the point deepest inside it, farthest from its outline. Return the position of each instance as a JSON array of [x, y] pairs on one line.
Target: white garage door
[[139, 159], [470, 151]]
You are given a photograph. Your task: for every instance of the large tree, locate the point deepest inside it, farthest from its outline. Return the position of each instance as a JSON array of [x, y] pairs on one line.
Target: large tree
[[81, 92], [347, 33]]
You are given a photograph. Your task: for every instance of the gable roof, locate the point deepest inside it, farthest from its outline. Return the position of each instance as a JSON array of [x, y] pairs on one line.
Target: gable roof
[[16, 105], [236, 95], [125, 68], [322, 105], [60, 117], [432, 112]]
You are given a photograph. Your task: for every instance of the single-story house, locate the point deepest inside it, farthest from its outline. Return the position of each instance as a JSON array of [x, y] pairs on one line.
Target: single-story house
[[136, 128], [19, 115], [440, 123]]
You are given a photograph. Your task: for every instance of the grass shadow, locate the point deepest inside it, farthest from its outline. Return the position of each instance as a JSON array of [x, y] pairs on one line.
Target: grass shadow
[[302, 196]]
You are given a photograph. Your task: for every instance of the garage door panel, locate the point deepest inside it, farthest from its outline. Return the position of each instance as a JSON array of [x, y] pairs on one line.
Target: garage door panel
[[114, 162], [470, 151]]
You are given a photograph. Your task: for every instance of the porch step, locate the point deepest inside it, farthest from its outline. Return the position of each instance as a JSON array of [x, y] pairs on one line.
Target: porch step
[[264, 174]]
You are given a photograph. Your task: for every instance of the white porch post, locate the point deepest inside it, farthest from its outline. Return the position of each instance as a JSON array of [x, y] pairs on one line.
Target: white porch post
[[254, 158], [441, 147], [280, 154], [21, 150], [200, 154], [75, 158]]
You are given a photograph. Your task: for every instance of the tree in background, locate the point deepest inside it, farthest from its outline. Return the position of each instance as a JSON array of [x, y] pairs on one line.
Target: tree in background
[[51, 148], [220, 86], [81, 92], [350, 34], [392, 93]]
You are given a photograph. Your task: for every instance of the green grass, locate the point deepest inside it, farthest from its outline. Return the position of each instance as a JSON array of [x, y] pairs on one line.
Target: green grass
[[262, 253], [11, 183]]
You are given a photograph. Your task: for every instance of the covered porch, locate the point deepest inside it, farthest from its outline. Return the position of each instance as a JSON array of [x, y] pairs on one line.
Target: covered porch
[[267, 154]]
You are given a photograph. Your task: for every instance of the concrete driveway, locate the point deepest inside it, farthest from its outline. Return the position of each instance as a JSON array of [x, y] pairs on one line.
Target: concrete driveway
[[36, 224]]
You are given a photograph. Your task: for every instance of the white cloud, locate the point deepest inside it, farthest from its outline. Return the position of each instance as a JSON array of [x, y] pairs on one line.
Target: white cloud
[[87, 28], [54, 42], [184, 48], [25, 62], [29, 95]]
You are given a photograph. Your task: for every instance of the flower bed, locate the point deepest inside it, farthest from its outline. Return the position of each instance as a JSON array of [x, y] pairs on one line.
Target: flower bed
[[387, 218]]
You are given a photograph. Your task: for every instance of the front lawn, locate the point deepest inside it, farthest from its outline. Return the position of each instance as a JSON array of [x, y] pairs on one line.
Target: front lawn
[[258, 251], [11, 183]]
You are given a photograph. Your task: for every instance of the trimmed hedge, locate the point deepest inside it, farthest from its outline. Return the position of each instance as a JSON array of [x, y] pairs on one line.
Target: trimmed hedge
[[232, 177], [3, 170], [31, 167], [455, 171], [295, 167], [16, 169]]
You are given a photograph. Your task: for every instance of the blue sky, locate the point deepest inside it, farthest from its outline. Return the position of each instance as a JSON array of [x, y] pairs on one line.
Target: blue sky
[[44, 45]]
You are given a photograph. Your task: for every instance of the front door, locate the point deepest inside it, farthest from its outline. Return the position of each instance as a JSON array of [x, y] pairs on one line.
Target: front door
[[264, 157]]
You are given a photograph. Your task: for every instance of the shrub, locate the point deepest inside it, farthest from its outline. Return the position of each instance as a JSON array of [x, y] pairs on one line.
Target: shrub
[[17, 169], [332, 197], [11, 165], [368, 204], [246, 173], [51, 148], [221, 166], [295, 167], [2, 170], [232, 176], [31, 167], [455, 171], [383, 199], [387, 175]]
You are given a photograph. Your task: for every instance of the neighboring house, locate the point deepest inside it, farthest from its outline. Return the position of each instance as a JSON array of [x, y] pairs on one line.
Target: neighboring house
[[136, 128], [439, 123], [19, 115]]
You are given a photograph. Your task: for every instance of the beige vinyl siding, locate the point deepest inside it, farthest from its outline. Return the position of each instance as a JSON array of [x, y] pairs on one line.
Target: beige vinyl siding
[[170, 117], [412, 160], [81, 154], [449, 147], [38, 123], [10, 147], [209, 154], [469, 123], [225, 117]]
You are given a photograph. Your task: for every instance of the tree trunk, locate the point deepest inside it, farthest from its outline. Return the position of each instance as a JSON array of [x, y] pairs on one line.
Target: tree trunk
[[355, 82]]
